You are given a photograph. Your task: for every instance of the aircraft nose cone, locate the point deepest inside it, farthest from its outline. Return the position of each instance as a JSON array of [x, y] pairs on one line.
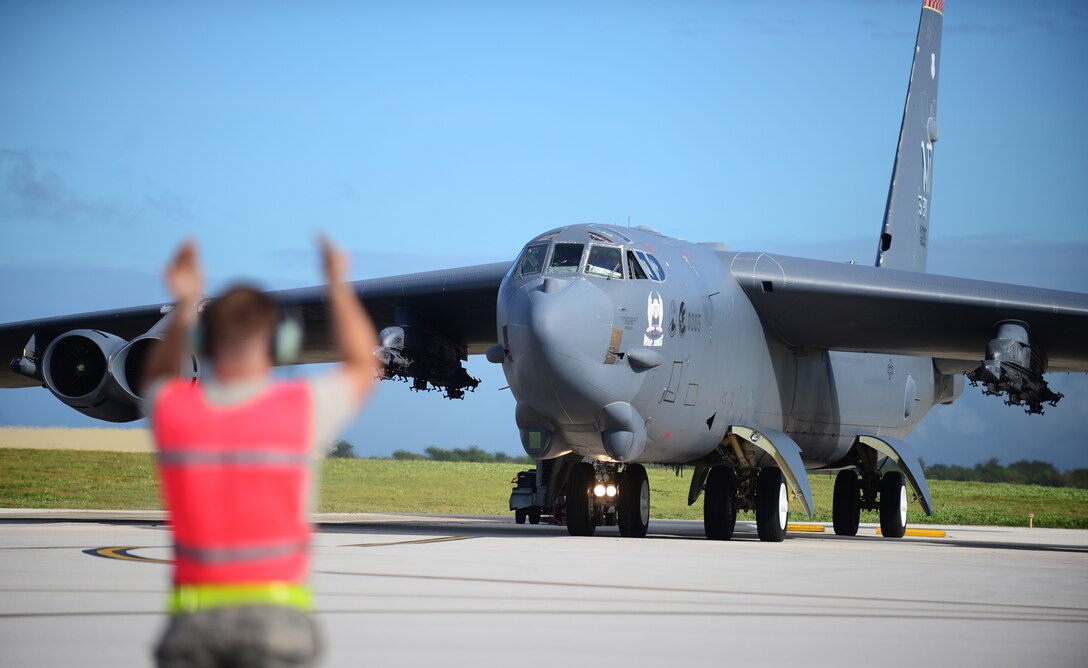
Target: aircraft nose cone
[[559, 331]]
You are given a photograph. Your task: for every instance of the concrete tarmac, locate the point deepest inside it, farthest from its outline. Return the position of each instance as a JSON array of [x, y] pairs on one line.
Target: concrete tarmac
[[88, 589]]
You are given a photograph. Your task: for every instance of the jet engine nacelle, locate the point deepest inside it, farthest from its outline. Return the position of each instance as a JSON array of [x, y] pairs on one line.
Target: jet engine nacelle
[[76, 369], [99, 374], [127, 366]]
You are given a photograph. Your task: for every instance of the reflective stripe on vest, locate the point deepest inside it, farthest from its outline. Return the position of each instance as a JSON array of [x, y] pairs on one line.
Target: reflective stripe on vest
[[228, 458], [236, 481], [224, 555]]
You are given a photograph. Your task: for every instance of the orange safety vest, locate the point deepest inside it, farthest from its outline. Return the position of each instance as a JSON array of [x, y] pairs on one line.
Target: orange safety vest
[[236, 480]]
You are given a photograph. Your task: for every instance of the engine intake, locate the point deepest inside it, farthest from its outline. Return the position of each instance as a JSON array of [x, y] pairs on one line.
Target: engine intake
[[99, 374], [76, 369], [128, 364]]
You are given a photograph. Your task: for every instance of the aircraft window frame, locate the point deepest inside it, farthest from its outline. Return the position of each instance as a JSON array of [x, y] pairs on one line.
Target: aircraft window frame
[[552, 269], [634, 267], [518, 264], [616, 274], [651, 266]]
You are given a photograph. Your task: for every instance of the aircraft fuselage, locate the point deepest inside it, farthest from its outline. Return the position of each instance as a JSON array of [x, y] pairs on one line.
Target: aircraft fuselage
[[654, 359]]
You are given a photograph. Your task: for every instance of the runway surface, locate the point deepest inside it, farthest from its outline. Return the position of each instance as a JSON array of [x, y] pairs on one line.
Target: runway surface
[[88, 589]]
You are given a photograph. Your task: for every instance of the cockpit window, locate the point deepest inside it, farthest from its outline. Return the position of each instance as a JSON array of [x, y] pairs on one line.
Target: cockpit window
[[653, 268], [634, 267], [532, 259], [566, 257], [605, 261], [656, 271]]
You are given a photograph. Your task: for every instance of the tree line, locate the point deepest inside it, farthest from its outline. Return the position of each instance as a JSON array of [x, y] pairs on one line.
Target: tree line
[[1023, 472], [345, 450], [472, 453]]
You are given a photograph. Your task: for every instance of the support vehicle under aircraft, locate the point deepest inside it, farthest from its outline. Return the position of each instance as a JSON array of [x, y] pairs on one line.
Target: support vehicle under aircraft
[[625, 347]]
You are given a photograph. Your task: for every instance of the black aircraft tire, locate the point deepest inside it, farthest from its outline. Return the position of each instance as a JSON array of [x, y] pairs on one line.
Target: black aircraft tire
[[772, 505], [580, 520], [893, 505], [634, 502], [846, 505], [534, 517], [719, 507], [519, 516]]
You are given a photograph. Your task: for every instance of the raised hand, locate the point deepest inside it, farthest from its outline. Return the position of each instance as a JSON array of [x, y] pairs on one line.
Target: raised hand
[[184, 278], [334, 260]]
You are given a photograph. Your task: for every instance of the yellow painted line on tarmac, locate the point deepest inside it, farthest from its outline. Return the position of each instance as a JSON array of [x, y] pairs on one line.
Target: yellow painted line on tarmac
[[421, 541], [124, 553], [806, 528], [921, 533]]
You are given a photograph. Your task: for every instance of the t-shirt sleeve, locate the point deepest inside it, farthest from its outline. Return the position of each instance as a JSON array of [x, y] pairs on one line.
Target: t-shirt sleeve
[[334, 406]]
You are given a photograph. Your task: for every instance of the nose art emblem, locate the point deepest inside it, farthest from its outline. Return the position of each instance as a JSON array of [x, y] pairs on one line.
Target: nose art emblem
[[655, 313]]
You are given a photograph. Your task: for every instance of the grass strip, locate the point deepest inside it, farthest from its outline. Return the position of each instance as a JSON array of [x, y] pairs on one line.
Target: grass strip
[[125, 481]]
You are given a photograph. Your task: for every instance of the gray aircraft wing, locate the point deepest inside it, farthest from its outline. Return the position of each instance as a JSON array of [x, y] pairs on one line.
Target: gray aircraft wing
[[454, 308], [455, 305], [827, 305]]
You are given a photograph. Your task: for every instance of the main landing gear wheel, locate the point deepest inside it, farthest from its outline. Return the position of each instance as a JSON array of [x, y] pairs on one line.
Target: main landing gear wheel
[[893, 505], [580, 520], [519, 516], [719, 506], [846, 505], [772, 505], [634, 502], [534, 517]]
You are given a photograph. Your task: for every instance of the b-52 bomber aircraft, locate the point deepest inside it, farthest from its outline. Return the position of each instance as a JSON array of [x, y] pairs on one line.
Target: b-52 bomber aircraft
[[625, 347]]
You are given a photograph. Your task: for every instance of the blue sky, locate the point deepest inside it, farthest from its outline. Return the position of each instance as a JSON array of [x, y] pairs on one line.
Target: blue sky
[[424, 135]]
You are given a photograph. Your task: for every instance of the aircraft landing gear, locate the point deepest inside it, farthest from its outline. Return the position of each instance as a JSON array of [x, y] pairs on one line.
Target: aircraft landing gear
[[602, 494], [772, 505], [728, 490], [634, 502], [893, 505], [846, 503], [581, 520], [720, 504], [886, 493]]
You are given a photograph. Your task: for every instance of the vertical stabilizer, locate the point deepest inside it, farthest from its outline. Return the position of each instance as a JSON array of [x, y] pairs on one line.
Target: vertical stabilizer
[[904, 236]]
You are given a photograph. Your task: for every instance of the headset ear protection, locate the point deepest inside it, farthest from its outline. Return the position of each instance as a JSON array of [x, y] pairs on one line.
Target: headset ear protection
[[287, 339], [285, 342]]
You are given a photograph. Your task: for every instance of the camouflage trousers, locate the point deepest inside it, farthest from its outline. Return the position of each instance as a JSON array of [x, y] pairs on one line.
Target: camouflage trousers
[[244, 636]]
